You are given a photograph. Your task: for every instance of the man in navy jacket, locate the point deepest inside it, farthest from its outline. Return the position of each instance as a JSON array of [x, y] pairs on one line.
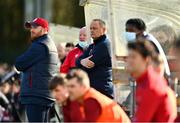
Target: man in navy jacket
[[38, 64], [96, 60]]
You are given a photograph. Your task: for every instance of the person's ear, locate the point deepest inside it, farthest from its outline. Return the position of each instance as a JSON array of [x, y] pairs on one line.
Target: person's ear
[[41, 29], [83, 87], [157, 69], [140, 32], [104, 30], [148, 60]]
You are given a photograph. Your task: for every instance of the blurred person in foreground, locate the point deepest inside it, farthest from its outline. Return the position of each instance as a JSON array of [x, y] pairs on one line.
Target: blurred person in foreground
[[69, 109], [76, 52], [155, 101], [61, 53], [94, 106], [136, 30], [68, 47], [97, 60], [38, 64]]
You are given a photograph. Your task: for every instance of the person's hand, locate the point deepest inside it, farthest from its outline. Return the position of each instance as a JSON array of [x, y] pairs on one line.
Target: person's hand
[[87, 63]]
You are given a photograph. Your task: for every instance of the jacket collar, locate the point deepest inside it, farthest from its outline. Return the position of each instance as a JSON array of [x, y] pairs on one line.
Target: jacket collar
[[100, 39], [78, 46], [40, 38], [145, 34], [82, 98], [144, 75]]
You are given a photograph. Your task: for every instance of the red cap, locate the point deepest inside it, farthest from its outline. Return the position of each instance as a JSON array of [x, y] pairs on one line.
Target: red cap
[[37, 22]]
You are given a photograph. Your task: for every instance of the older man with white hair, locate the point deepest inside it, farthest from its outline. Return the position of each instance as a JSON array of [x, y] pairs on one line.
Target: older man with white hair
[[76, 52]]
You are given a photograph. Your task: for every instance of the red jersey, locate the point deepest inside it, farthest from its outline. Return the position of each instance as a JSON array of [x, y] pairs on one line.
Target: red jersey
[[156, 102]]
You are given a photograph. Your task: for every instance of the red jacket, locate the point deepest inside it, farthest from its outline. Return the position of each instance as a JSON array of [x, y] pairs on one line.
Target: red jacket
[[72, 112], [156, 102], [71, 59]]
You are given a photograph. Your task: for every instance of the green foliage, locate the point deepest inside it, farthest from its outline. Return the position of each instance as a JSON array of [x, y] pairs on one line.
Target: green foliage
[[12, 31], [68, 12]]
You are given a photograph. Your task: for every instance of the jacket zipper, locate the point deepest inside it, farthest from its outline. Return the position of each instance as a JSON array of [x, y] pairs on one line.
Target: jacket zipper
[[30, 79]]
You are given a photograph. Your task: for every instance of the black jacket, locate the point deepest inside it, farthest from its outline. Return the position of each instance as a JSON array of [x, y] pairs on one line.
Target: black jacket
[[38, 64], [101, 74]]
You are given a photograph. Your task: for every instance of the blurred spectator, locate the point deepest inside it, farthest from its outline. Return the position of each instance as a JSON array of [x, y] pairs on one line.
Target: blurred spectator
[[4, 89], [4, 69], [68, 47], [38, 64], [17, 109], [177, 54], [94, 106], [136, 29], [97, 60], [155, 101], [5, 115], [60, 92], [76, 52], [11, 88], [61, 53]]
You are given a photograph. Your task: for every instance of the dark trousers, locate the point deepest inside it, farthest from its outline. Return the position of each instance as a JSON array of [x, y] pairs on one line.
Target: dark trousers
[[37, 113]]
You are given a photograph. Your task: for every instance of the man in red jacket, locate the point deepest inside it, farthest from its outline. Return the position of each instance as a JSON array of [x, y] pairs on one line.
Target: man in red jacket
[[76, 52], [93, 105], [155, 100]]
